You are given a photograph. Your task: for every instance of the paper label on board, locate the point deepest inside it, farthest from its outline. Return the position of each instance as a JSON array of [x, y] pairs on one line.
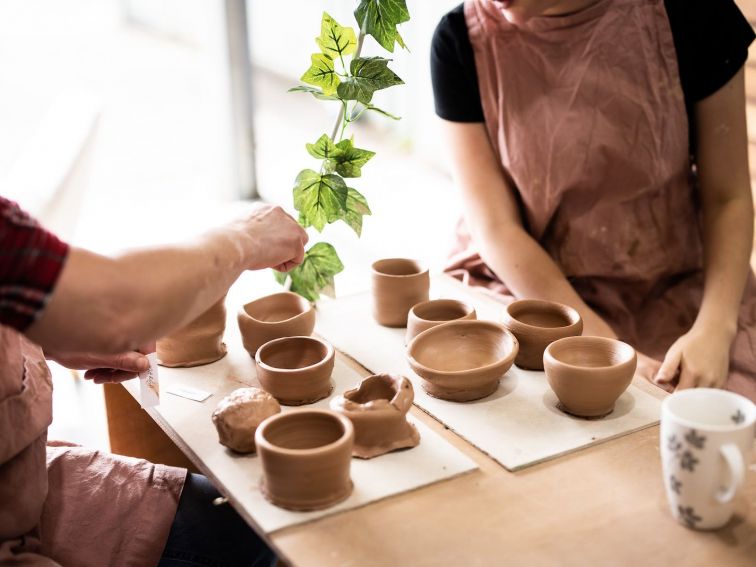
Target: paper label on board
[[189, 393], [149, 386]]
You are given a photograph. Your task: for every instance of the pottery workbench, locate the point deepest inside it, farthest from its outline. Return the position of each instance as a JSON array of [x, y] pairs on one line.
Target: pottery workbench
[[601, 505]]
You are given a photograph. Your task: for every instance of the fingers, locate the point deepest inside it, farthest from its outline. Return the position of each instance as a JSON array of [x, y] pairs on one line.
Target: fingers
[[669, 368], [108, 375], [134, 362]]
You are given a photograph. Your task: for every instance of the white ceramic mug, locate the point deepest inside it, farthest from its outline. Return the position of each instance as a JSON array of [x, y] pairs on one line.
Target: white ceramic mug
[[706, 441]]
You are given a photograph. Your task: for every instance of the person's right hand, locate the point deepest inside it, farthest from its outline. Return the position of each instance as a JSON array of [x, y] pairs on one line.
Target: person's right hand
[[276, 239]]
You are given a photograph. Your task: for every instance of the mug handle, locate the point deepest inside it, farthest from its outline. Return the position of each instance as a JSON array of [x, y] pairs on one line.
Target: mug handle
[[736, 464]]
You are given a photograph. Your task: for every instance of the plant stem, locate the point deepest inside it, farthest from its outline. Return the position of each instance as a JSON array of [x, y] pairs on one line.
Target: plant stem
[[342, 112]]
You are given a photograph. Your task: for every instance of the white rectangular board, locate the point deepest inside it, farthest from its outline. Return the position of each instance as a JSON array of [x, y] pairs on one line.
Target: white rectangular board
[[519, 424], [189, 423]]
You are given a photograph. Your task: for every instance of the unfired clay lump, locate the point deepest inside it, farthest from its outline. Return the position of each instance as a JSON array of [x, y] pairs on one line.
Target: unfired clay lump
[[238, 415]]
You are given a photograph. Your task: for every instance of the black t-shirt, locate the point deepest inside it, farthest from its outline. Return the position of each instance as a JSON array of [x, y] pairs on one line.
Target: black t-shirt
[[711, 39]]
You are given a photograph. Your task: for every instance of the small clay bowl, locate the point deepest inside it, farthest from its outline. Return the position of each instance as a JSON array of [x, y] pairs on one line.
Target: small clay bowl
[[428, 314], [295, 370], [536, 324], [588, 374], [200, 342], [462, 361], [397, 285], [274, 316], [378, 410], [305, 456]]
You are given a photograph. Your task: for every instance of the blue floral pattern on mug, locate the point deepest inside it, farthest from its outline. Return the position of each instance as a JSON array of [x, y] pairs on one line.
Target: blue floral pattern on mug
[[695, 439], [674, 484], [738, 417], [688, 516]]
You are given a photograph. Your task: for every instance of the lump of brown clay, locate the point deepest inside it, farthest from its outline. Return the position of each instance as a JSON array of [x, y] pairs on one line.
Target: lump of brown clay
[[378, 410], [200, 342], [397, 285], [461, 361], [283, 314], [537, 324], [237, 416], [306, 456]]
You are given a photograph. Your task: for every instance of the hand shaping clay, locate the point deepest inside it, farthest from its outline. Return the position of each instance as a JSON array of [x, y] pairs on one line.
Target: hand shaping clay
[[306, 457], [397, 285], [274, 316], [378, 410], [238, 416], [200, 342]]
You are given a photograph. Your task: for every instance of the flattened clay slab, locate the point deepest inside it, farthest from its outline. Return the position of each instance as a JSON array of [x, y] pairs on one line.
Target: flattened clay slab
[[239, 476], [519, 425]]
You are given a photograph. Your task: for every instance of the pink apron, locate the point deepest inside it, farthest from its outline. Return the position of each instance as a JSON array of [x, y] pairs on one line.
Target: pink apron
[[68, 505], [587, 114]]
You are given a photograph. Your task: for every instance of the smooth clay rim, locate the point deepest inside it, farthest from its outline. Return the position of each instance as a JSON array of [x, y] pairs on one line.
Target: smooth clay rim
[[631, 354], [330, 353], [467, 323], [467, 308], [555, 307], [302, 301], [333, 447], [422, 268]]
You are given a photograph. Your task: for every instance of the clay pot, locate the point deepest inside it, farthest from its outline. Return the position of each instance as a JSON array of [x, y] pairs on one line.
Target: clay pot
[[462, 361], [536, 324], [378, 410], [238, 416], [588, 374], [200, 342], [397, 285], [296, 370], [428, 314], [305, 457], [274, 316]]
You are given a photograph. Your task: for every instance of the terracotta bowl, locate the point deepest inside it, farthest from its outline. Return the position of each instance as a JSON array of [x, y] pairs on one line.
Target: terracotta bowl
[[378, 410], [295, 370], [274, 316], [428, 314], [305, 456], [200, 342], [588, 374], [462, 360], [536, 324], [397, 285]]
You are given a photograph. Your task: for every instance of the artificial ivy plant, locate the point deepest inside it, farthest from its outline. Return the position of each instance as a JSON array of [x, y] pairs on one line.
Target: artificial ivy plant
[[339, 73]]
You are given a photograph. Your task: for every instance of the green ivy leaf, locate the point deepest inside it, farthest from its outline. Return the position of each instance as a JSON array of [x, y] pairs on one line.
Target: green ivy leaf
[[348, 160], [322, 74], [357, 111], [280, 277], [368, 74], [324, 148], [357, 207], [320, 199], [315, 274], [335, 40], [379, 18], [317, 93]]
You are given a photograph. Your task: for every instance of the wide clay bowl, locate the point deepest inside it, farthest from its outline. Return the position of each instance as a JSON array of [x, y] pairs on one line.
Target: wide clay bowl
[[274, 316], [397, 285], [378, 410], [462, 361], [428, 314], [305, 457], [537, 324], [200, 342], [588, 374], [295, 370]]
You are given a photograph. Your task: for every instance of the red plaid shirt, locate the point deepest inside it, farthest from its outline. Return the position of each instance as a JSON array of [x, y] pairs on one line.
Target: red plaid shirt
[[31, 260]]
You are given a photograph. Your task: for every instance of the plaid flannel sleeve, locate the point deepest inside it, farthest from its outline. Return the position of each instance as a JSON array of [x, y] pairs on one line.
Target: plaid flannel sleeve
[[31, 260]]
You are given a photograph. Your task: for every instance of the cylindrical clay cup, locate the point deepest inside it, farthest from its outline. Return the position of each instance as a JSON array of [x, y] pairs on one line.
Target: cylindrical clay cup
[[306, 457], [200, 342], [397, 285]]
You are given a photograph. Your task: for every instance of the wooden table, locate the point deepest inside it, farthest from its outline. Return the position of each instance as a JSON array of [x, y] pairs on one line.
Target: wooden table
[[603, 505]]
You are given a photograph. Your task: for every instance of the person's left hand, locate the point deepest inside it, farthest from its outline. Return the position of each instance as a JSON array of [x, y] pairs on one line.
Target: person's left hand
[[698, 359], [106, 368]]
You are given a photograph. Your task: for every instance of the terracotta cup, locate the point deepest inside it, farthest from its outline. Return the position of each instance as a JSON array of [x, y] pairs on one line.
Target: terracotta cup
[[588, 374], [295, 370], [305, 455], [397, 285], [378, 410], [200, 342], [536, 324], [237, 416], [462, 361], [283, 314], [428, 314]]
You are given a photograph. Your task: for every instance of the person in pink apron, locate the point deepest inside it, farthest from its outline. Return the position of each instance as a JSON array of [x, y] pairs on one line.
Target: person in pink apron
[[69, 505], [600, 147]]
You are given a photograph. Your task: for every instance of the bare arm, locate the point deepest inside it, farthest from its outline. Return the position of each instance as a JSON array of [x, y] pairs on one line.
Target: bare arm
[[702, 355], [107, 305]]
